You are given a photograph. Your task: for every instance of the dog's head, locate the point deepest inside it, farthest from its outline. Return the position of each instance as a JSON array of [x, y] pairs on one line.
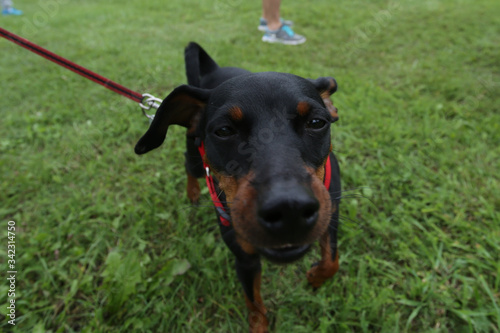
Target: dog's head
[[267, 138]]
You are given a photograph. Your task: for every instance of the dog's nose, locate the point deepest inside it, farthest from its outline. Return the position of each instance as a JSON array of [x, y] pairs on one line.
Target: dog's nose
[[289, 214]]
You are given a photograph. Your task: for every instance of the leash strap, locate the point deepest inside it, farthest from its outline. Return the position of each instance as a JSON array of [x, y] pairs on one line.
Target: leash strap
[[224, 217], [150, 101], [72, 66], [328, 173]]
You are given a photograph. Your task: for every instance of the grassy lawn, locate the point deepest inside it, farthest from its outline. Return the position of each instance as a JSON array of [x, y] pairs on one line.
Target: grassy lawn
[[107, 241]]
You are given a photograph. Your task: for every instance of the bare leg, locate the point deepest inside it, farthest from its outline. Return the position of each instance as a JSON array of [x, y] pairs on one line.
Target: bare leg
[[271, 13]]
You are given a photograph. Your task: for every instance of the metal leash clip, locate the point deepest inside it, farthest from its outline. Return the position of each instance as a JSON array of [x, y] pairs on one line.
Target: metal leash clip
[[149, 102]]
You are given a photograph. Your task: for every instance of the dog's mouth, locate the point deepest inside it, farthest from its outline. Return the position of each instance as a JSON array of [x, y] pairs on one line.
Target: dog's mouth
[[285, 253]]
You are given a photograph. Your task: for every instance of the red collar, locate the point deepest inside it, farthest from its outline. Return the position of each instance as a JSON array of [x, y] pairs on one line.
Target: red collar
[[224, 217]]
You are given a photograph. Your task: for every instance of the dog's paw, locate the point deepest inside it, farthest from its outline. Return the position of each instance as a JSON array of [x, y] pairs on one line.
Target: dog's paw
[[320, 272], [258, 322]]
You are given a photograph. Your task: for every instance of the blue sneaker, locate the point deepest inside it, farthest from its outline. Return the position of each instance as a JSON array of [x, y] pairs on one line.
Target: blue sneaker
[[11, 11], [283, 35], [263, 24]]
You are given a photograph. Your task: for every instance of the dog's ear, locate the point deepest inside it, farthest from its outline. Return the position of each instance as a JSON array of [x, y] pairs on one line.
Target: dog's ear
[[182, 107], [326, 86]]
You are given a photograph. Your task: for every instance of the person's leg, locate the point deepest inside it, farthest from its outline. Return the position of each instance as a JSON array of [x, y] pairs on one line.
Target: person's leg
[[276, 30], [6, 4], [8, 9], [271, 13]]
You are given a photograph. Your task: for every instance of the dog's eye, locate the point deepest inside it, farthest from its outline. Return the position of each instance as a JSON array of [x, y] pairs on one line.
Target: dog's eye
[[316, 123], [225, 131]]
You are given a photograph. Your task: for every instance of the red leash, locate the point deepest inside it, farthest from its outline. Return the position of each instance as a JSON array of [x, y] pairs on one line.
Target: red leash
[[224, 218], [107, 83]]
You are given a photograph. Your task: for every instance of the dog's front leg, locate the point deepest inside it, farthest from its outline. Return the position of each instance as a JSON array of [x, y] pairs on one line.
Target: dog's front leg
[[249, 274], [193, 189], [248, 270], [329, 263]]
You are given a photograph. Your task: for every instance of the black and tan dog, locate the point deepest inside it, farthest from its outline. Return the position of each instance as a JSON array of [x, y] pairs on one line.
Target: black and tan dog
[[262, 140]]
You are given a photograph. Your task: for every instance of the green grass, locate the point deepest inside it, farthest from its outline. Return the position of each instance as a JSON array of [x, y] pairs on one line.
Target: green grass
[[107, 241]]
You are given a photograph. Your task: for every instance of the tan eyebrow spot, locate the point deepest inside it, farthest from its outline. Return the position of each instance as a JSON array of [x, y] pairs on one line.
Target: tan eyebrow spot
[[303, 108], [235, 113]]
